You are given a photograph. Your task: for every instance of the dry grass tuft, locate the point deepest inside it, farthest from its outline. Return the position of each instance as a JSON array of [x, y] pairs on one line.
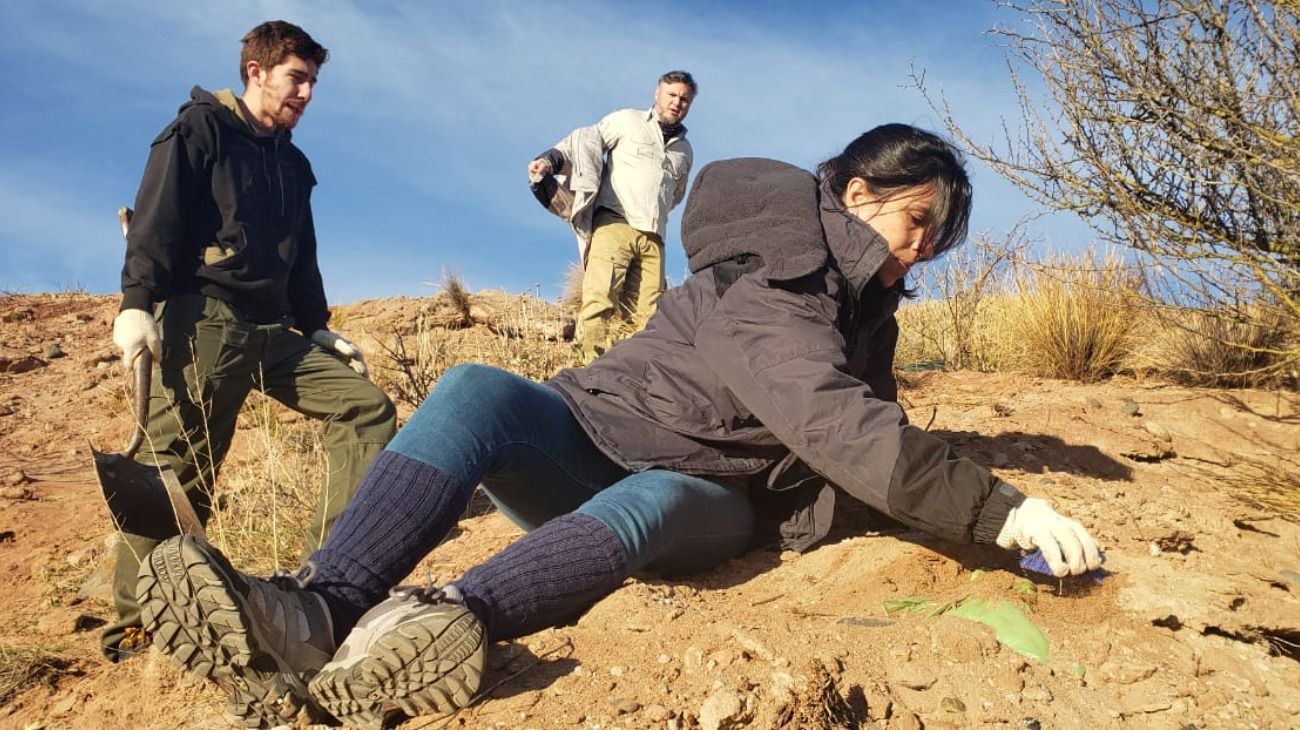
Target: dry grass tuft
[[1273, 485], [571, 296], [1075, 316], [28, 666], [1217, 349], [266, 497], [818, 704], [459, 298]]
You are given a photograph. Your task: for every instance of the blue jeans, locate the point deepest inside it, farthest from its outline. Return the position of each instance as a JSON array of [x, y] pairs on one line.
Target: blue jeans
[[520, 441]]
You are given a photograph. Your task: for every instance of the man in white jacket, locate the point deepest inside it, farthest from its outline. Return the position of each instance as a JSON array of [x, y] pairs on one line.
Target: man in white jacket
[[644, 162]]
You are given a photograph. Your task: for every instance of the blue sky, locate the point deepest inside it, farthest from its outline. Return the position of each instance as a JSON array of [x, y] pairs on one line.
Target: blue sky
[[427, 113]]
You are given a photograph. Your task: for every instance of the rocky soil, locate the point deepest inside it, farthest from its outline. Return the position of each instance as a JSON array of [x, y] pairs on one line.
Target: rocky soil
[[1196, 625]]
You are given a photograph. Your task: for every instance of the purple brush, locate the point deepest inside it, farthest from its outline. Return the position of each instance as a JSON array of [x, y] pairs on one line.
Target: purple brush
[[1035, 562]]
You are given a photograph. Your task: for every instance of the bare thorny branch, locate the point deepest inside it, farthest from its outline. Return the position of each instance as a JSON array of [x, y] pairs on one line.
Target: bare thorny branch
[[1173, 128]]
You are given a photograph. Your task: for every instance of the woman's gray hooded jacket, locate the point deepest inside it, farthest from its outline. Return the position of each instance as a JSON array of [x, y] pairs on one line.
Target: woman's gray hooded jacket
[[773, 364]]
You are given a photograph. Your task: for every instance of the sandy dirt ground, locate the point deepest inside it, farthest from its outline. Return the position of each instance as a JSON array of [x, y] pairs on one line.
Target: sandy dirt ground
[[1196, 625]]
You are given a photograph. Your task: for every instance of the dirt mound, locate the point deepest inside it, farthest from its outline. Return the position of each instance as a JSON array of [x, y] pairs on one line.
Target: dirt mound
[[1197, 624]]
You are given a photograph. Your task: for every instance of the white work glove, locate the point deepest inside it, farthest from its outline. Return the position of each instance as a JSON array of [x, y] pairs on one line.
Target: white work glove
[[538, 169], [1066, 546], [134, 331], [339, 346]]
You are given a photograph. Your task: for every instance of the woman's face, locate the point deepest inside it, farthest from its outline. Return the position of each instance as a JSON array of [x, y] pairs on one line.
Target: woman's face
[[899, 219]]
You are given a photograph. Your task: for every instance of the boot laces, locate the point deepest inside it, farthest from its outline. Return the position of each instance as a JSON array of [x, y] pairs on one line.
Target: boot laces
[[428, 593], [300, 579]]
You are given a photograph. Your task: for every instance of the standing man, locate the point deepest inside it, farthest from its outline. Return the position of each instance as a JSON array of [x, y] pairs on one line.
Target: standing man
[[220, 265], [624, 174]]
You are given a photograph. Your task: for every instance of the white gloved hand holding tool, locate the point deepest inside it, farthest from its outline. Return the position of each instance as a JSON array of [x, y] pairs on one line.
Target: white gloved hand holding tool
[[134, 331], [336, 344], [1066, 546]]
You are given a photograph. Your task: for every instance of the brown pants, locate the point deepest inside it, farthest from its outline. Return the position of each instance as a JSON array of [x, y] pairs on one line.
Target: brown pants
[[624, 273]]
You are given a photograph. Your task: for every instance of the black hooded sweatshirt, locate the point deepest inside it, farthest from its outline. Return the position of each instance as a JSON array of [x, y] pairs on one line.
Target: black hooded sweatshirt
[[225, 212]]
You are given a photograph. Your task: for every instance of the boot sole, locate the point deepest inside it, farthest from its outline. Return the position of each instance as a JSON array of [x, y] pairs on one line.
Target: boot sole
[[199, 620], [433, 663]]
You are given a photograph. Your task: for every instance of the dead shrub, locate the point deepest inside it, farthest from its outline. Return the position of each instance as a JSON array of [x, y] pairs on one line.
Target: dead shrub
[[1218, 349], [951, 323], [1074, 316]]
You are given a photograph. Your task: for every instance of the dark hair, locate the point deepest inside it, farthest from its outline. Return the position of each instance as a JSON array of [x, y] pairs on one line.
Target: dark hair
[[275, 40], [680, 77], [894, 158]]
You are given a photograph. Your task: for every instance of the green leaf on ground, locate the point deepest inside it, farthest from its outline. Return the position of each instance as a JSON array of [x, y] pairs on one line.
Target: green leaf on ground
[[910, 604], [1013, 628]]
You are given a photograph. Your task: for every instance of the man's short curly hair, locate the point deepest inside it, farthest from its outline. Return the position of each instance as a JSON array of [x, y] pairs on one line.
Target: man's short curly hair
[[275, 40]]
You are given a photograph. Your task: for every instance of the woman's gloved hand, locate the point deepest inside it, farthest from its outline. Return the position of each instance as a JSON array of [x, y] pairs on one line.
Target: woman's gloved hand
[[1065, 544]]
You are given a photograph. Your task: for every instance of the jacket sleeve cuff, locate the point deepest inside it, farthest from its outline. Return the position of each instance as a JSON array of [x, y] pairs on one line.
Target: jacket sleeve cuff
[[137, 297], [993, 515], [553, 156]]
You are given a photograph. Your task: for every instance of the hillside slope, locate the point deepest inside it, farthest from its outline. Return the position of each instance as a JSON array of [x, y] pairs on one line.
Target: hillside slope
[[1198, 623]]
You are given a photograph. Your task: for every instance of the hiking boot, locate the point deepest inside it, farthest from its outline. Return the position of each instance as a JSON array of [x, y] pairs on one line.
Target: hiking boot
[[259, 640], [415, 653]]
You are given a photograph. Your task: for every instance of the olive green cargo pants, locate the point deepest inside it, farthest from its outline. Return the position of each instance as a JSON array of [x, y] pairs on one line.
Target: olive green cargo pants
[[211, 360]]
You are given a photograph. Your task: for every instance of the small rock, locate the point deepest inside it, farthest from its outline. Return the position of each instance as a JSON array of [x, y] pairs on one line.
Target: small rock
[[1037, 694], [1030, 723], [19, 477], [1008, 680], [1124, 672], [1000, 459], [1094, 404], [1129, 408], [1178, 541], [657, 713], [624, 706], [693, 658], [18, 494], [616, 671], [56, 623], [71, 599], [99, 584], [13, 361], [84, 316], [1291, 576], [64, 706], [54, 352], [723, 710], [1157, 430], [6, 410], [7, 536], [952, 704], [1002, 410]]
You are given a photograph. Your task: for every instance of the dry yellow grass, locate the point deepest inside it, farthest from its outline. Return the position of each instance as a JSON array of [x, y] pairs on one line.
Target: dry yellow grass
[[1215, 349], [269, 486], [1075, 316]]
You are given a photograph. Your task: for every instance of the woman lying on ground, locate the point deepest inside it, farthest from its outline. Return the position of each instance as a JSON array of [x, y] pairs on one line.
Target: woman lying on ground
[[762, 380]]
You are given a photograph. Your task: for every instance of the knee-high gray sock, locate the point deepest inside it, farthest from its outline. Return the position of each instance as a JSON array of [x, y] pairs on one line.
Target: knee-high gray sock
[[401, 511], [548, 576]]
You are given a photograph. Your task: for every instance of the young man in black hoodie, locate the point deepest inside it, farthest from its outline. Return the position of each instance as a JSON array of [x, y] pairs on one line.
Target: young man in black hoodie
[[222, 287]]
